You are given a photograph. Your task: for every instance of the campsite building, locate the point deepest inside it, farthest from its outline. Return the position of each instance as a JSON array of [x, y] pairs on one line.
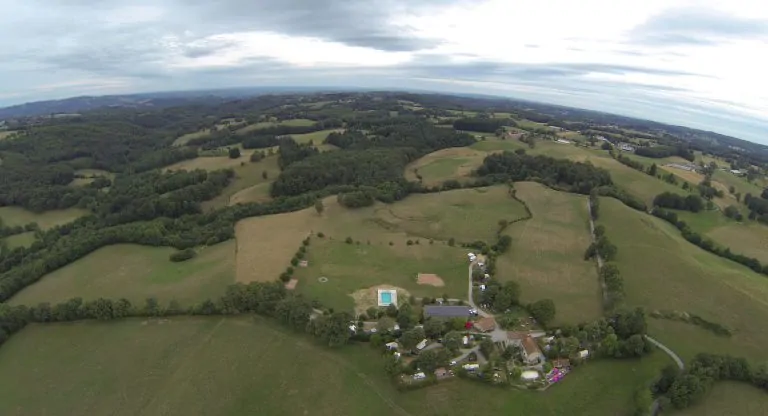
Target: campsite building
[[445, 311], [485, 324]]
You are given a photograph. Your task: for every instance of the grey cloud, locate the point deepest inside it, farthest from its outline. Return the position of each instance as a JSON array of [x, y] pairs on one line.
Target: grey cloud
[[692, 26]]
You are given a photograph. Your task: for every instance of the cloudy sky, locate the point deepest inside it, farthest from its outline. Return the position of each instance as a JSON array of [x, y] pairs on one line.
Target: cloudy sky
[[697, 63]]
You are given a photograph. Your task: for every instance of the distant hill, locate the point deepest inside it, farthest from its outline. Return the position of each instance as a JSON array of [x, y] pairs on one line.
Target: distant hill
[[147, 100]]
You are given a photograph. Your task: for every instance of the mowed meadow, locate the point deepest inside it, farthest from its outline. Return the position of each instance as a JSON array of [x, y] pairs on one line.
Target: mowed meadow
[[379, 252], [249, 365], [547, 254], [662, 271]]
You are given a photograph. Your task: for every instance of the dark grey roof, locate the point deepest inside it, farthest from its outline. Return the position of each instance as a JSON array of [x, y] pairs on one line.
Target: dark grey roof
[[447, 311]]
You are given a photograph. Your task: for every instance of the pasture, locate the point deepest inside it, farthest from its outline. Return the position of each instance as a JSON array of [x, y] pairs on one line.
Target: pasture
[[663, 271], [13, 216], [317, 138], [749, 238], [248, 185], [454, 163], [6, 134], [730, 399], [185, 138], [249, 365], [635, 182], [547, 254], [20, 240], [266, 124], [211, 163], [135, 273]]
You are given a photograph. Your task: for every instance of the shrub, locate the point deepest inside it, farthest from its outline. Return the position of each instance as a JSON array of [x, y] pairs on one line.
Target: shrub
[[320, 234], [183, 255], [451, 242], [294, 261], [409, 243], [234, 153], [349, 240]]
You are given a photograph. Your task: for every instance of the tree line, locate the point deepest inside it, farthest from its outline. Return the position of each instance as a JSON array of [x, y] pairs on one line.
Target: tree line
[[660, 152], [485, 125], [692, 203], [683, 389]]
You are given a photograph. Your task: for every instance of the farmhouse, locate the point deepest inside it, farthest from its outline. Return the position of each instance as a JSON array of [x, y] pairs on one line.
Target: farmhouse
[[531, 352], [440, 311], [563, 141], [485, 324], [626, 147]]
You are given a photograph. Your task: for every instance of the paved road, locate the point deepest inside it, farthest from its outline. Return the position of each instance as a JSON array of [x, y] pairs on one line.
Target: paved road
[[669, 352]]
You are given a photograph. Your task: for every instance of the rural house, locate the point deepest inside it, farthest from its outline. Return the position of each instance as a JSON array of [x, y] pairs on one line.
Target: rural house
[[440, 311], [626, 147], [531, 352], [485, 324]]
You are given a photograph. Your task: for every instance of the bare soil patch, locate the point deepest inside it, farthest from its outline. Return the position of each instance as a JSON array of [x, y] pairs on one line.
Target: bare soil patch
[[430, 280], [366, 298], [291, 284]]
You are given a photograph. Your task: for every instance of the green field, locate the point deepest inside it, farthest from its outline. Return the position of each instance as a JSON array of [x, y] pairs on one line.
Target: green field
[[636, 183], [464, 214], [265, 124], [749, 238], [13, 216], [248, 185], [730, 399], [20, 240], [663, 271], [247, 366], [135, 273], [317, 138], [352, 267], [547, 254], [453, 163]]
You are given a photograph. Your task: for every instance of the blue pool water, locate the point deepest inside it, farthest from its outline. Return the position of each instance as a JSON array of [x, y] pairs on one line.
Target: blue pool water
[[386, 297]]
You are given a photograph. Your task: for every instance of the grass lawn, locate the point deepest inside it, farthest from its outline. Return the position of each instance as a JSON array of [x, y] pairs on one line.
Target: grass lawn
[[663, 271], [437, 167], [351, 267], [547, 254], [20, 240], [464, 214], [730, 399], [248, 365], [248, 184], [137, 272], [13, 216]]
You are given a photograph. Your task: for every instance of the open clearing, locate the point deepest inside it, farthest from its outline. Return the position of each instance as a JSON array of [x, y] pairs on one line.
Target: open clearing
[[730, 399], [547, 254], [317, 138], [430, 279], [247, 366], [454, 163], [663, 271], [13, 216], [266, 124], [20, 240], [351, 267], [211, 163], [248, 185], [6, 134], [88, 175], [135, 273]]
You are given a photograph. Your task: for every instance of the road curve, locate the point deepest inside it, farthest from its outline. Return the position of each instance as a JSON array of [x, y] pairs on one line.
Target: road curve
[[669, 352]]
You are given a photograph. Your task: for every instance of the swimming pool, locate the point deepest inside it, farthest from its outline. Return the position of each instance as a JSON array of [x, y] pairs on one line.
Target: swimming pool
[[385, 298]]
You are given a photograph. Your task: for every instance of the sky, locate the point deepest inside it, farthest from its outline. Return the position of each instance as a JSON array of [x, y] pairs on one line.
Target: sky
[[695, 63]]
